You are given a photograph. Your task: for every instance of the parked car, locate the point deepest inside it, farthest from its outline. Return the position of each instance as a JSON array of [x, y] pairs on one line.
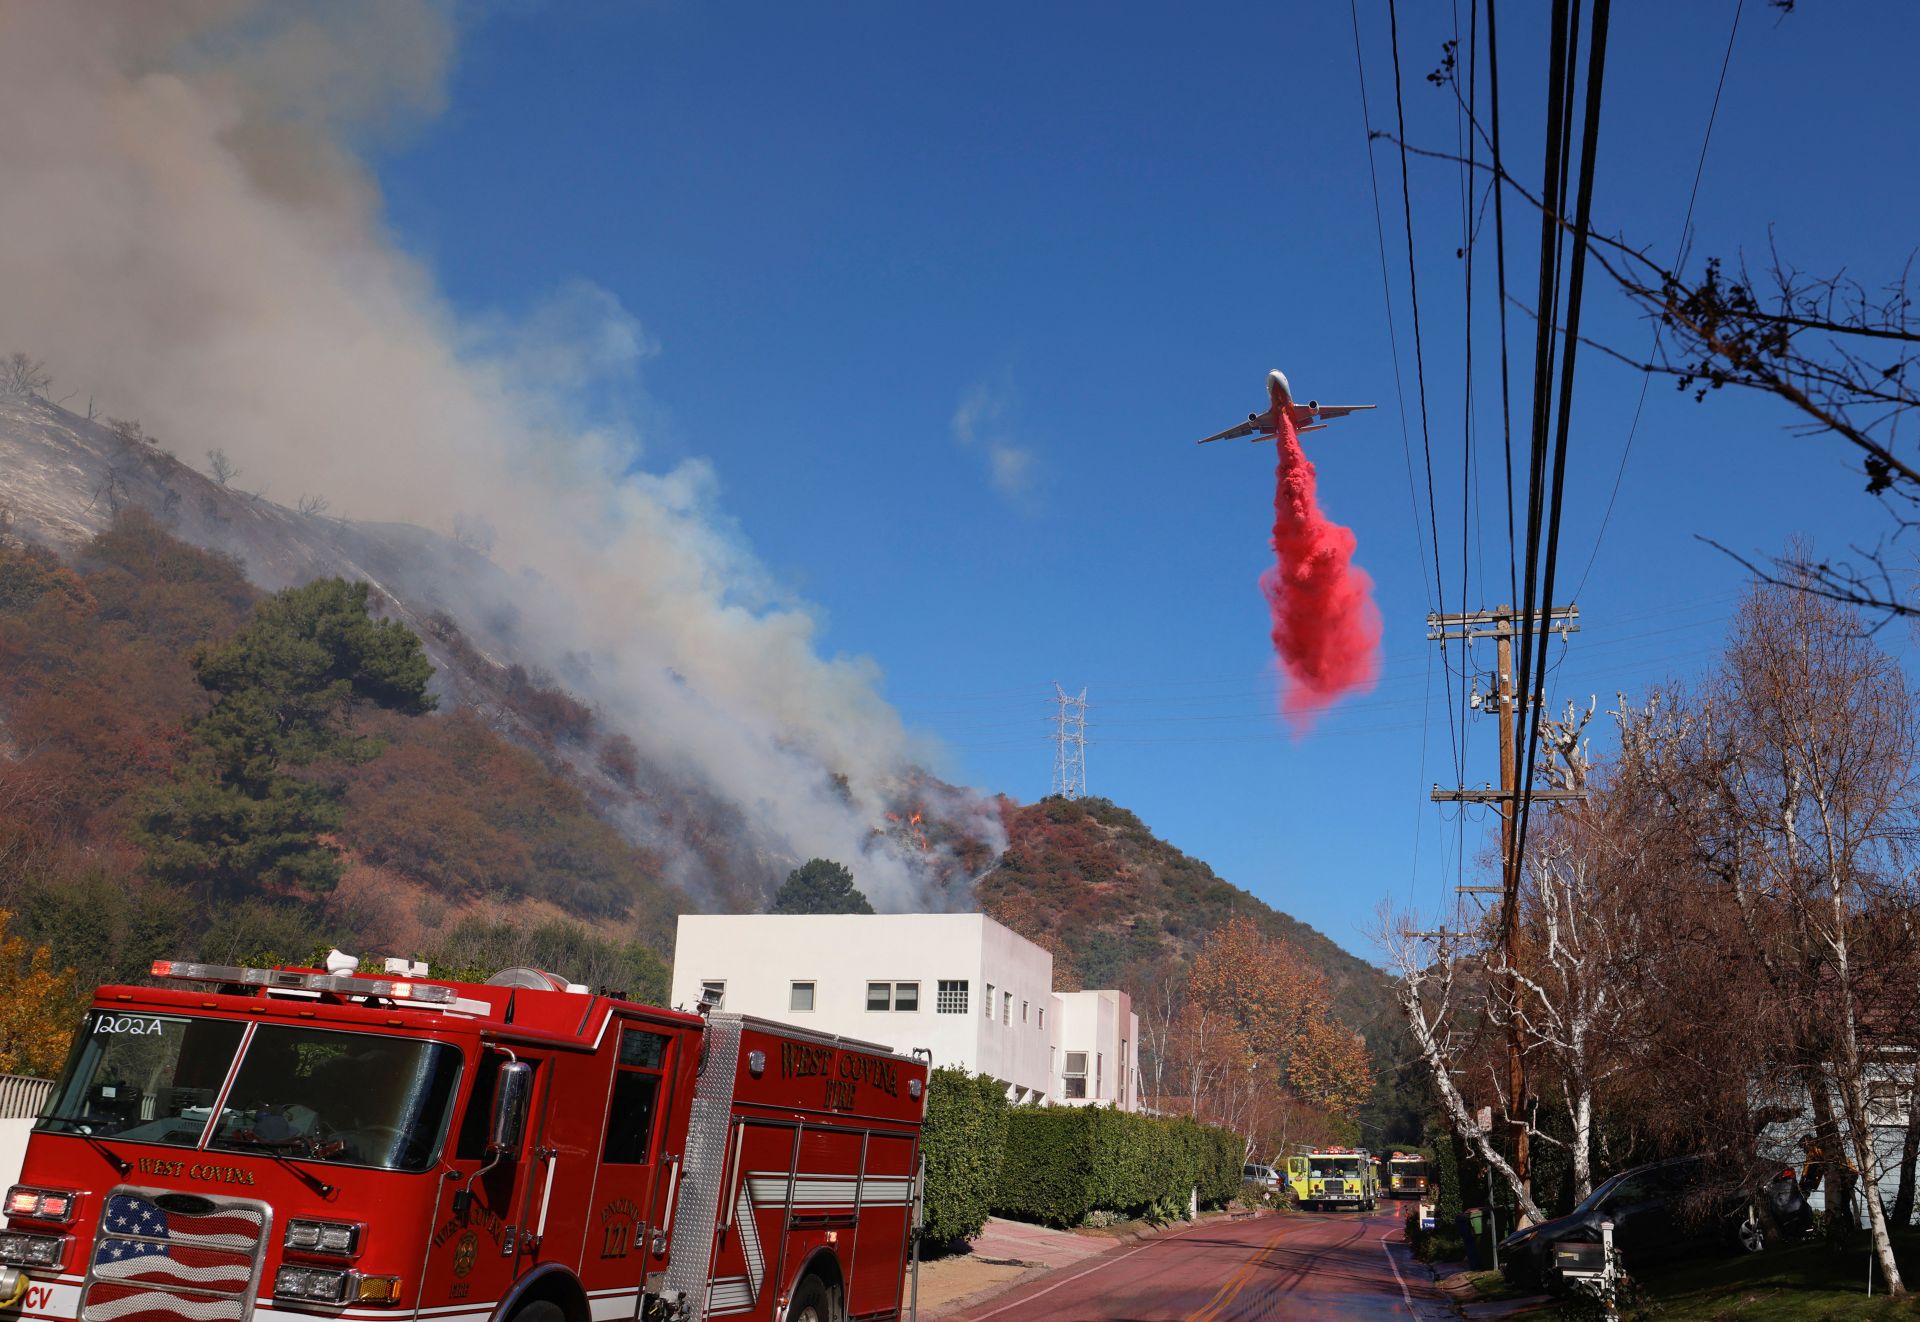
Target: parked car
[[1264, 1176], [1666, 1209]]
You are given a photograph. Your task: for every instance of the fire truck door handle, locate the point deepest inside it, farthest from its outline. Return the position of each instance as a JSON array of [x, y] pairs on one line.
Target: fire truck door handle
[[733, 1194], [666, 1224], [546, 1193]]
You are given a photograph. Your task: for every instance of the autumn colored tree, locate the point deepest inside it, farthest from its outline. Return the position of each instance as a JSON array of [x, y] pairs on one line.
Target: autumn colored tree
[[1255, 1030], [37, 1006], [819, 886]]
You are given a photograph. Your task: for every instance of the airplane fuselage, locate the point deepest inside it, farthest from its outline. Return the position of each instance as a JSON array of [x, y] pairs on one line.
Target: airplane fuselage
[[1279, 393]]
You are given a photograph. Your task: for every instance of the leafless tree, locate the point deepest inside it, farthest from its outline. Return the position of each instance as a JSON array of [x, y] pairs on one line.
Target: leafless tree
[[22, 376], [1428, 986], [1821, 728], [314, 504], [224, 470], [1578, 999], [1159, 1010]]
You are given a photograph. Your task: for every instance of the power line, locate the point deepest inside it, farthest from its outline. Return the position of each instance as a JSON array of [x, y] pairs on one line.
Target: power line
[[1419, 352], [1589, 146], [1456, 743], [1386, 289], [1686, 223], [1500, 275]]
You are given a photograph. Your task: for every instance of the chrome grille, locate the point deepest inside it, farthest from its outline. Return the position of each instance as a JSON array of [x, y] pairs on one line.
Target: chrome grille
[[166, 1254]]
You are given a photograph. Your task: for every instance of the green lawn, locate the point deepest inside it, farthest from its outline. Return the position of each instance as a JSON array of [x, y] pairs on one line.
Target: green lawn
[[1808, 1281]]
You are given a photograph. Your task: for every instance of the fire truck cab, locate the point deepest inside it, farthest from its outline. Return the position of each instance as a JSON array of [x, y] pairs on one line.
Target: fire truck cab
[[1331, 1178], [293, 1143]]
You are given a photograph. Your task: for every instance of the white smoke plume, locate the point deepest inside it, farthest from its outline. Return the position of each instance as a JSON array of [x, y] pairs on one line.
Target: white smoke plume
[[189, 232]]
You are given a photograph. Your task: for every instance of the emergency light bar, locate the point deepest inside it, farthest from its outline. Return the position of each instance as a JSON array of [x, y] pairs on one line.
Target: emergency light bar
[[345, 984]]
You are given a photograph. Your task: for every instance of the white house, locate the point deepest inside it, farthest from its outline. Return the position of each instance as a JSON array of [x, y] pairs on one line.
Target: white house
[[959, 985]]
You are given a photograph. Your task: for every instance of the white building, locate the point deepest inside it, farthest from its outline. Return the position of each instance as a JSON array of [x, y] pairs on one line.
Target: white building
[[959, 985], [1098, 1035]]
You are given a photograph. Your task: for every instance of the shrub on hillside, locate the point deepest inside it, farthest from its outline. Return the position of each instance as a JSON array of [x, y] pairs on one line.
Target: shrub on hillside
[[965, 1136]]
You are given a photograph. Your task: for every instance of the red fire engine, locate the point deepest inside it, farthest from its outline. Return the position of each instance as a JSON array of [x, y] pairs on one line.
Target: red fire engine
[[290, 1143]]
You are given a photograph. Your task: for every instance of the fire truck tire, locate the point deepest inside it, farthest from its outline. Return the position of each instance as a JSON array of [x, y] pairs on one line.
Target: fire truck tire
[[812, 1302], [540, 1310]]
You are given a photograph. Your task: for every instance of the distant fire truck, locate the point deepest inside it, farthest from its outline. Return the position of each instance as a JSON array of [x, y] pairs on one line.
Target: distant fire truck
[[1407, 1175], [289, 1143], [1334, 1178]]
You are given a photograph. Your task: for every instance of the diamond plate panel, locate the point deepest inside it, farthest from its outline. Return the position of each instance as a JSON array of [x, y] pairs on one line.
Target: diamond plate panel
[[703, 1164]]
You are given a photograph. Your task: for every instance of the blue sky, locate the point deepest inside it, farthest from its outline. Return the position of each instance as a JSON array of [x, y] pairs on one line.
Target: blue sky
[[944, 295]]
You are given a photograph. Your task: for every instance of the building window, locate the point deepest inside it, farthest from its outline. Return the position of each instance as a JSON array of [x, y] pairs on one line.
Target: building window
[[1043, 1016], [951, 997], [1123, 1069], [714, 992], [893, 996], [1006, 1007], [1023, 1012], [988, 1003], [1099, 1089], [1885, 1103], [801, 997], [1075, 1075]]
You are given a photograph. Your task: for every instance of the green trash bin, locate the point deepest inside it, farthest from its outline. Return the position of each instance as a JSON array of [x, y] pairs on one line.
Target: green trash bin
[[1477, 1218]]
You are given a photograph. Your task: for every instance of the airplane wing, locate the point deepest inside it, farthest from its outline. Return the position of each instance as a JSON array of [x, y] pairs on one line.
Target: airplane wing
[[1259, 426], [1325, 411]]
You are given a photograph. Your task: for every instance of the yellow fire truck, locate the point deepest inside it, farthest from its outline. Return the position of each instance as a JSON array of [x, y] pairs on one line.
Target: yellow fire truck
[[1407, 1175], [1334, 1178]]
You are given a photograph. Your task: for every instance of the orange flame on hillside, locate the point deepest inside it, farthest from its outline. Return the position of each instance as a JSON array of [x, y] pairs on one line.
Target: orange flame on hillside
[[911, 829]]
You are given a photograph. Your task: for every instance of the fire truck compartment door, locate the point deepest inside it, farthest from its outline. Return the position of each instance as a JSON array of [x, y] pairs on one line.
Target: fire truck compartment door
[[614, 1254]]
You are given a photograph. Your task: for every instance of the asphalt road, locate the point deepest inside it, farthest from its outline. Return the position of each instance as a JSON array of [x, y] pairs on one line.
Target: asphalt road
[[1344, 1267]]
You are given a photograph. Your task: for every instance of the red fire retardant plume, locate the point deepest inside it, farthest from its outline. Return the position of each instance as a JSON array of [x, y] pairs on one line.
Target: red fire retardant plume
[[1326, 629]]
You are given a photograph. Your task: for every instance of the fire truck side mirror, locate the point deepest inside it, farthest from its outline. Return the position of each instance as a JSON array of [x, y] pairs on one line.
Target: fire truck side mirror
[[510, 1096]]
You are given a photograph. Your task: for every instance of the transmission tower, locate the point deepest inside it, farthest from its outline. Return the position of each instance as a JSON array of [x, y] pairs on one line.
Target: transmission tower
[[1070, 744]]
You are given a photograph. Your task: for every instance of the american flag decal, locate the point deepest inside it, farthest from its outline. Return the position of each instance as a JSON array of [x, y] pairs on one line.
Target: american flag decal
[[152, 1265]]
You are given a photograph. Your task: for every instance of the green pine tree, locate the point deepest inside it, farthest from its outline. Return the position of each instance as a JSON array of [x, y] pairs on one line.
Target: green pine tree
[[284, 689], [819, 886]]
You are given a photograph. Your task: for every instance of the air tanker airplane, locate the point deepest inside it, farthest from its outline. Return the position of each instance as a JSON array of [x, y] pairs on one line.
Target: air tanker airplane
[[1310, 416]]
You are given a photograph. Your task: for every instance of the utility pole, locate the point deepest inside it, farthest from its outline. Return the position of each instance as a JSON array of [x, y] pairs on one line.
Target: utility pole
[[1501, 624], [1070, 744]]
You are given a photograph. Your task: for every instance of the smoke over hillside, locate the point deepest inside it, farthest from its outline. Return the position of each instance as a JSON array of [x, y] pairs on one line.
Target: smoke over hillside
[[191, 236]]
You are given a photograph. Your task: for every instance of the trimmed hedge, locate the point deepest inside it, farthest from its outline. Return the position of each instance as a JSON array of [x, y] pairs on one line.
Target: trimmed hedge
[[965, 1134], [1063, 1162]]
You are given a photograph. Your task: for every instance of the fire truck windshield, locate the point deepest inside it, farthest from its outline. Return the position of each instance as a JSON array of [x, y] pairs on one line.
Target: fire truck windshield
[[309, 1093], [1340, 1168]]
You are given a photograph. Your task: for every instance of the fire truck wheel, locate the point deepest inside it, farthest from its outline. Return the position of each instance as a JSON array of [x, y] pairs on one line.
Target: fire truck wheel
[[541, 1310], [811, 1302]]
